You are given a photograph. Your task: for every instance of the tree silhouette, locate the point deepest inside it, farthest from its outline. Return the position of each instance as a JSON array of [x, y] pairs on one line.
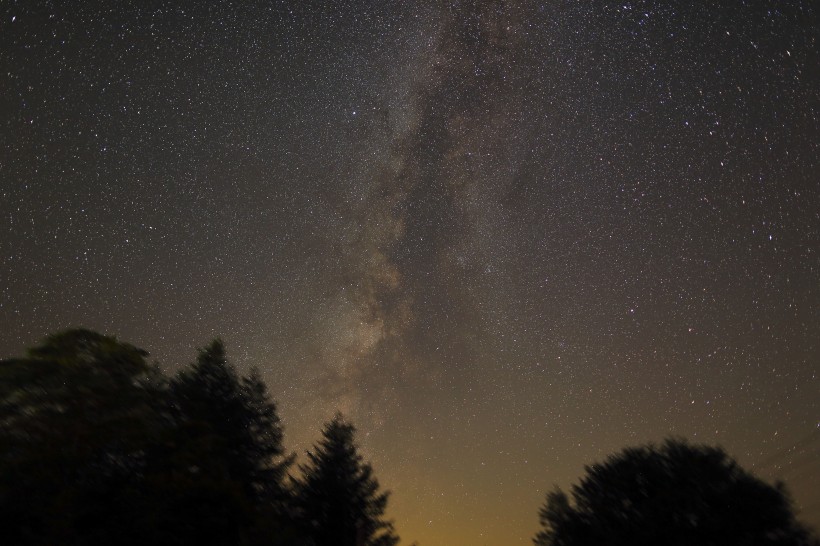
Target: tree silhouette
[[338, 498], [246, 433], [75, 417], [231, 444], [97, 448], [264, 449], [676, 494]]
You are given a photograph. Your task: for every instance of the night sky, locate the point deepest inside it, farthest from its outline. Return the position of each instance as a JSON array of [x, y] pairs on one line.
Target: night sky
[[506, 238]]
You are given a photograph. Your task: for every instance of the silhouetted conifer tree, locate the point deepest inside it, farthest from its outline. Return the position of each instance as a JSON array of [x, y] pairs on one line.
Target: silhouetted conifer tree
[[265, 447], [338, 497], [239, 421]]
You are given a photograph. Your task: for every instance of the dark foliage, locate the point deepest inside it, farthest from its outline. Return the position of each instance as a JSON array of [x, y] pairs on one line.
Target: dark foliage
[[95, 449], [676, 494], [338, 498], [237, 420], [77, 417]]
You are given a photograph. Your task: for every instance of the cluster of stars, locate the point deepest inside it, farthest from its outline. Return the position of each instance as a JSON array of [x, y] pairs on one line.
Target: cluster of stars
[[507, 238]]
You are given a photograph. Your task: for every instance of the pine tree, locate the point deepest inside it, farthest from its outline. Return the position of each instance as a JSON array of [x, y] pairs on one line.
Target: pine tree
[[237, 421], [264, 450], [338, 497]]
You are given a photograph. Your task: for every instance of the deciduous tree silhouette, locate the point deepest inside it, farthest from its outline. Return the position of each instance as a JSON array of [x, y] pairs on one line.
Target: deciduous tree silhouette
[[338, 497], [675, 494], [76, 416]]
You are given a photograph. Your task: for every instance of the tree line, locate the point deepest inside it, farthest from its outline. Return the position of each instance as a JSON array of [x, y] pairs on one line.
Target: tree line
[[98, 447]]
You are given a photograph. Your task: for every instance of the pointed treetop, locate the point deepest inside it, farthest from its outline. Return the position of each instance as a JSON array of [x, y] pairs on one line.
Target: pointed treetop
[[338, 496]]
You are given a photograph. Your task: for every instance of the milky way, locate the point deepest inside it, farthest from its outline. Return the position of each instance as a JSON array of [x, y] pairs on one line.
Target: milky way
[[506, 238]]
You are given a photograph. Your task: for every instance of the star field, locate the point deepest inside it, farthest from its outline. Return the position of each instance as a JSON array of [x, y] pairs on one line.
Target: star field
[[505, 238]]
